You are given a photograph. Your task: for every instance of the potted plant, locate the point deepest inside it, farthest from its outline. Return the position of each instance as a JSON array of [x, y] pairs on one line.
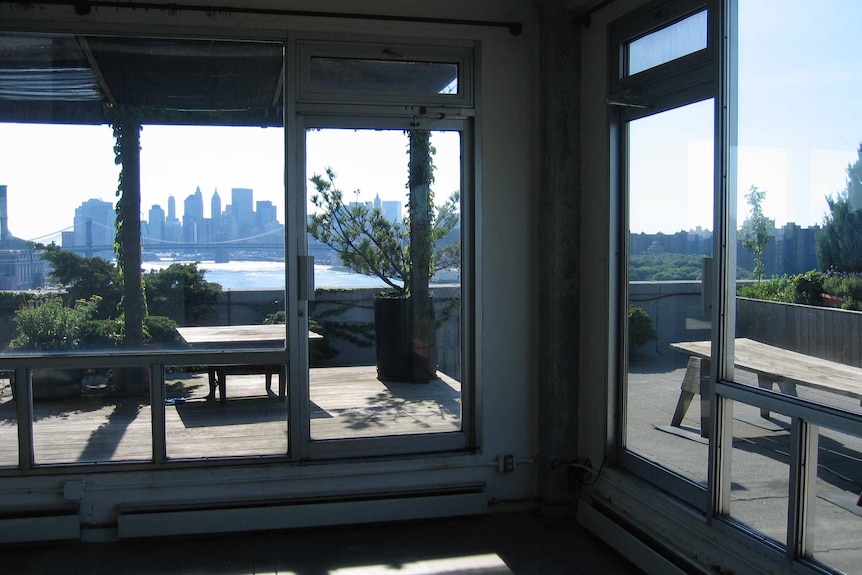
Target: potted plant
[[404, 256]]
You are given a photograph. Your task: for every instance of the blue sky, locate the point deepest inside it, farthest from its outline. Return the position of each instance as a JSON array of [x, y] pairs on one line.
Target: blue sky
[[800, 121], [800, 125]]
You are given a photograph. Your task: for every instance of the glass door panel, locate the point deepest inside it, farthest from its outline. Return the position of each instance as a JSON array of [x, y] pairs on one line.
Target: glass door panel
[[385, 232], [217, 249], [670, 214]]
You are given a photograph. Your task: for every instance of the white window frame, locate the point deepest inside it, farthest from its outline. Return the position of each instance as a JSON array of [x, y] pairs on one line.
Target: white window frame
[[355, 110]]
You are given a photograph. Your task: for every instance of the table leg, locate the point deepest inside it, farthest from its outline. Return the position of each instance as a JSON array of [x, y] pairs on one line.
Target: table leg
[[764, 382], [222, 384], [705, 396], [690, 386], [211, 377]]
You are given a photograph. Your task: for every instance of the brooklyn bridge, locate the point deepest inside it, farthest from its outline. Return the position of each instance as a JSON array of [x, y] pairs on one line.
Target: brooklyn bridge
[[217, 251]]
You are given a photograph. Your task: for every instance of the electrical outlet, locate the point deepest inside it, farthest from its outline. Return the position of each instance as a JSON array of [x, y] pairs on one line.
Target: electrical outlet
[[506, 463]]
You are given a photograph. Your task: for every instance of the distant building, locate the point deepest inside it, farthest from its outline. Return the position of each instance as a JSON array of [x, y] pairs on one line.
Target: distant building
[[156, 222], [392, 210], [94, 228], [215, 207], [20, 265], [266, 214], [242, 209], [193, 217]]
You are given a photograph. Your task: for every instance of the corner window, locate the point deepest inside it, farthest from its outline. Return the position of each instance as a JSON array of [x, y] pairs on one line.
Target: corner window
[[739, 376]]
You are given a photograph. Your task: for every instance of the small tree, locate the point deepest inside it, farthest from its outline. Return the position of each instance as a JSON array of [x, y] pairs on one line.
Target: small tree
[[404, 257], [755, 230], [84, 277], [368, 243]]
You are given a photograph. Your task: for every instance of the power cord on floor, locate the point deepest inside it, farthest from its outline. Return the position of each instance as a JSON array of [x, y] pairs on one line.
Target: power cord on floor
[[581, 472]]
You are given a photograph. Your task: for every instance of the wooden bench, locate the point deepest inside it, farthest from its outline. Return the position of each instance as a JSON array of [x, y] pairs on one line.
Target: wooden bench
[[773, 366]]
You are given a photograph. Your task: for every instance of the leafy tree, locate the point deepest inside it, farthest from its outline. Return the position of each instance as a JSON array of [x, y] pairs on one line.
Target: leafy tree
[[181, 293], [84, 277], [839, 244], [663, 267], [755, 230]]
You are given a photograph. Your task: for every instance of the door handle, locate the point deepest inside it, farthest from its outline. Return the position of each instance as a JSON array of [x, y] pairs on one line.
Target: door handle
[[306, 278]]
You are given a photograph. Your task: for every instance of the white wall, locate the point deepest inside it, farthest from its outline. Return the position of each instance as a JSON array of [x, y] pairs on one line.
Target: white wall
[[506, 169]]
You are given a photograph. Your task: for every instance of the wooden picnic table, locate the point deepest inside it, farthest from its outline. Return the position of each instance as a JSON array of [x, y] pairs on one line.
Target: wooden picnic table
[[773, 365], [233, 337]]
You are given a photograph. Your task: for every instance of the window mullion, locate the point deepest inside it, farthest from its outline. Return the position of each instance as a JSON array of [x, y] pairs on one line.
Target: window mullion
[[803, 479]]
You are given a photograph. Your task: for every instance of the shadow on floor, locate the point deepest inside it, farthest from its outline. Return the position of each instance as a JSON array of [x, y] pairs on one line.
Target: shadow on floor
[[522, 543]]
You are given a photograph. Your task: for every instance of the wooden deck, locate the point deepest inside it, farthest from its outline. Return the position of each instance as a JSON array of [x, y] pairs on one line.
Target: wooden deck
[[346, 402]]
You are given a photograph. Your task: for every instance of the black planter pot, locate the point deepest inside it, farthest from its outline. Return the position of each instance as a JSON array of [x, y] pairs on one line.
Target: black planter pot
[[400, 357]]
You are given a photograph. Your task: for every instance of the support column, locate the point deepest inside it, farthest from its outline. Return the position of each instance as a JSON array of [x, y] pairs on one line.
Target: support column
[[558, 231]]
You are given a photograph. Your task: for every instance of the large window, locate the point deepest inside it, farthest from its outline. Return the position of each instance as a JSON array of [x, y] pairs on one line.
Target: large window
[[157, 264], [792, 331], [740, 386]]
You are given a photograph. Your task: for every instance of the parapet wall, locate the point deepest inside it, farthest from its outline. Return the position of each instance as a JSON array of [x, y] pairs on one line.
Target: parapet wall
[[347, 316]]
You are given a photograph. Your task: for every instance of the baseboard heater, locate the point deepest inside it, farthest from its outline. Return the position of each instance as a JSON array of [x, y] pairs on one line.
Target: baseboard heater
[[636, 546], [161, 520], [43, 525]]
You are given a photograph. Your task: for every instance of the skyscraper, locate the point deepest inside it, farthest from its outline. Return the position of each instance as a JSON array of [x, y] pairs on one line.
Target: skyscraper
[[242, 208], [156, 222], [94, 226], [193, 217], [172, 209], [215, 207]]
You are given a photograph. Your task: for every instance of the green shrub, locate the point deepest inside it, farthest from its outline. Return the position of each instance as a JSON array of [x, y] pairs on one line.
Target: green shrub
[[49, 325], [161, 330], [802, 288], [101, 333], [640, 327], [779, 288], [846, 286]]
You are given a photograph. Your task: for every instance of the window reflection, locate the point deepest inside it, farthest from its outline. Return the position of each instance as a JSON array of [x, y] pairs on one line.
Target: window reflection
[[669, 196]]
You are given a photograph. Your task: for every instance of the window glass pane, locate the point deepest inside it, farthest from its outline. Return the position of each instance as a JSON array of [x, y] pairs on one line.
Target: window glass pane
[[8, 422], [383, 76], [837, 510], [193, 132], [677, 40], [213, 230], [670, 183], [375, 371], [226, 410], [797, 195], [760, 472], [83, 415]]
